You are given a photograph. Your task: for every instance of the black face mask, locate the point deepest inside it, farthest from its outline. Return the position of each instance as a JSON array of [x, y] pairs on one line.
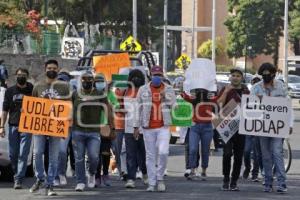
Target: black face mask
[[87, 85], [21, 80], [51, 74], [138, 82], [267, 78]]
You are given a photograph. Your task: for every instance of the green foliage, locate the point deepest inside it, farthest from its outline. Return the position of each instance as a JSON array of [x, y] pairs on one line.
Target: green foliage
[[205, 49], [294, 28], [256, 23]]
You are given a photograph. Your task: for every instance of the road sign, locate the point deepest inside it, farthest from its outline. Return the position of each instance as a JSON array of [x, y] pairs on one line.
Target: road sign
[[183, 61], [130, 44]]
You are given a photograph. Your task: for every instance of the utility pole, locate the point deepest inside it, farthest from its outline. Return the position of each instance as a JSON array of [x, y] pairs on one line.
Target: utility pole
[[46, 8], [193, 29], [134, 18], [213, 33], [286, 41], [165, 51]]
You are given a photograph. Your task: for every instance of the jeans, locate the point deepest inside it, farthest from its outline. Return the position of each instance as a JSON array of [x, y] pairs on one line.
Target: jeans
[[235, 147], [252, 145], [63, 156], [157, 151], [39, 149], [83, 141], [272, 154], [19, 148], [135, 155], [104, 157], [120, 155], [200, 132]]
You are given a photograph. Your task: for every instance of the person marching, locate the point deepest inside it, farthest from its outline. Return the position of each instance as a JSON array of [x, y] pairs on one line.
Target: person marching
[[155, 101], [235, 146]]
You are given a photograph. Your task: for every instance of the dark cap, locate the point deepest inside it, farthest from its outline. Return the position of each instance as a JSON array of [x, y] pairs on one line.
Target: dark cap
[[237, 69], [157, 70], [87, 74]]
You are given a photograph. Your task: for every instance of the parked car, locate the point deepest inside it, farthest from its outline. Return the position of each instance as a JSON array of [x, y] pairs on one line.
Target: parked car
[[293, 85]]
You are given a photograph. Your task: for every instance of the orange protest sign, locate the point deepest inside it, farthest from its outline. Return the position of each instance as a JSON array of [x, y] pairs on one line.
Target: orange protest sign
[[111, 64], [45, 117]]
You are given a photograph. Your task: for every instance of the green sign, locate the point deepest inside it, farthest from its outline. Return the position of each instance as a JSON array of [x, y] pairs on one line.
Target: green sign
[[120, 80], [182, 115]]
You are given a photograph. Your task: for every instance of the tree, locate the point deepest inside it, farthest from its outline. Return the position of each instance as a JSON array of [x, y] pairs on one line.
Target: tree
[[255, 23], [205, 49], [294, 28]]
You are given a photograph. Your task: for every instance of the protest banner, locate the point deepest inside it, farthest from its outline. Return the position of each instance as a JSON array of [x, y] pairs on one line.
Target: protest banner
[[45, 117], [110, 64], [182, 114], [201, 73], [72, 48], [265, 116], [227, 121]]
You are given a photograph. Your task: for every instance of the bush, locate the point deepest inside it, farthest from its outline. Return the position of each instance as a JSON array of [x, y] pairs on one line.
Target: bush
[[205, 49]]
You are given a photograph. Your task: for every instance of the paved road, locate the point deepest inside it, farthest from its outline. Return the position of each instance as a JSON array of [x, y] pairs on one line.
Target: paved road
[[178, 187]]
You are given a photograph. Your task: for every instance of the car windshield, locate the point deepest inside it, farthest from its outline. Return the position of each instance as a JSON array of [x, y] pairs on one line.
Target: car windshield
[[294, 79]]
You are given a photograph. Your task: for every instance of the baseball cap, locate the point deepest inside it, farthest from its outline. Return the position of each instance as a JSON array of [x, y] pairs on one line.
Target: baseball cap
[[157, 70], [237, 69]]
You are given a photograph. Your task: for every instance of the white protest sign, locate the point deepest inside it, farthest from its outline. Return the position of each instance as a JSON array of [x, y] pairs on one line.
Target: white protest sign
[[72, 47], [201, 74], [268, 116], [227, 123], [2, 92]]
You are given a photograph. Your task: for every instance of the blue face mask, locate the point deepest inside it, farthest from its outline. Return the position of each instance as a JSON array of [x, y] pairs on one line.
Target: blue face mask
[[100, 86], [156, 81]]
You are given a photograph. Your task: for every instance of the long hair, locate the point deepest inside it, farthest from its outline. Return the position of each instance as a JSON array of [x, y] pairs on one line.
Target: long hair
[[136, 73]]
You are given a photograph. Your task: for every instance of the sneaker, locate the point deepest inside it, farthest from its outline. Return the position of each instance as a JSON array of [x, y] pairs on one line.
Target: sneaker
[[139, 175], [166, 172], [282, 189], [203, 176], [17, 185], [187, 173], [36, 186], [80, 187], [145, 179], [234, 187], [225, 186], [91, 181], [246, 174], [50, 191], [150, 188], [268, 188], [56, 183], [123, 176], [106, 180], [130, 184], [161, 187], [191, 176], [254, 179], [63, 180]]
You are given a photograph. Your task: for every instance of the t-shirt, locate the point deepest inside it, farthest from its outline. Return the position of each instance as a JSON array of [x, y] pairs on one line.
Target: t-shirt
[[156, 117], [235, 94], [56, 90], [13, 102]]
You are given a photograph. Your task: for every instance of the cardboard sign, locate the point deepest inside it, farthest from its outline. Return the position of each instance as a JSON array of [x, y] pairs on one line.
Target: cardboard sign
[[45, 117], [110, 64], [130, 44], [268, 116], [200, 74], [72, 47], [183, 61], [226, 123], [182, 115]]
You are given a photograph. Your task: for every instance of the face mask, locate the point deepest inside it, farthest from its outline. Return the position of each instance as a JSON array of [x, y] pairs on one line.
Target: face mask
[[21, 80], [51, 74], [137, 82], [100, 86], [156, 81], [87, 85], [267, 78]]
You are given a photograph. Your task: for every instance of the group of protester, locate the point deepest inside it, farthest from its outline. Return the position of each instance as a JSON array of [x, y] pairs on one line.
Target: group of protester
[[138, 118]]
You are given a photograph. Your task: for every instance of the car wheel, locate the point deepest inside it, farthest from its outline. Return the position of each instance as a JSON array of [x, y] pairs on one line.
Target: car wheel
[[7, 173], [173, 140]]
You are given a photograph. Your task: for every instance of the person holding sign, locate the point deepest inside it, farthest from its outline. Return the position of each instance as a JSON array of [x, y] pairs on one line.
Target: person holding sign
[[235, 146], [50, 88], [89, 104], [201, 131], [155, 101], [19, 142], [135, 147], [272, 147]]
